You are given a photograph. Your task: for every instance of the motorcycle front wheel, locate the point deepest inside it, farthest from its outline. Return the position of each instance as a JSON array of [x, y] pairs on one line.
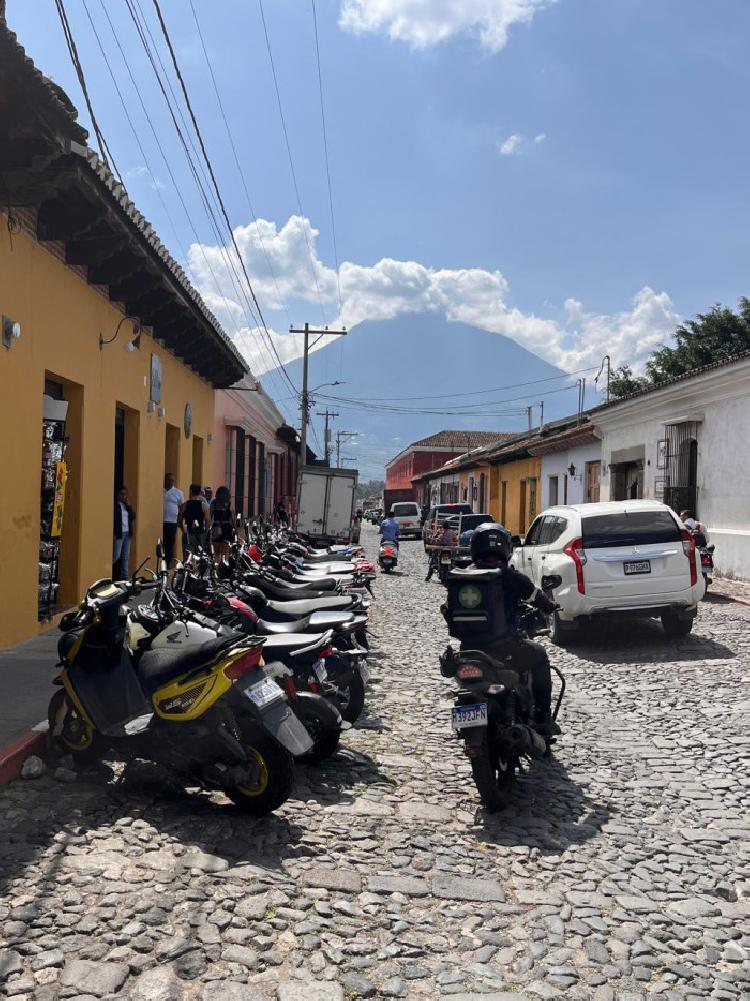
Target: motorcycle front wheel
[[271, 782], [76, 735], [352, 698], [494, 778]]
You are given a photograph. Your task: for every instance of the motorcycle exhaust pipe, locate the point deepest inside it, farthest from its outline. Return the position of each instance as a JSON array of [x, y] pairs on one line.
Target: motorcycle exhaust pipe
[[522, 739]]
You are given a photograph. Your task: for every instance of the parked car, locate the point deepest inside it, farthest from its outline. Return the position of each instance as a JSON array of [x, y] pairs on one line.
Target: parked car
[[438, 514], [620, 557], [406, 514]]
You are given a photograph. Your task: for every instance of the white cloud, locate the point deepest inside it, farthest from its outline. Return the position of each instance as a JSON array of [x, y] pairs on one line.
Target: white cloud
[[540, 138], [142, 173], [422, 23], [512, 145], [392, 288]]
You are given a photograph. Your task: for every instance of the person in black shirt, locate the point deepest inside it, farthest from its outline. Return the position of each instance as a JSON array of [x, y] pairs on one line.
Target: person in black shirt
[[491, 548], [195, 520]]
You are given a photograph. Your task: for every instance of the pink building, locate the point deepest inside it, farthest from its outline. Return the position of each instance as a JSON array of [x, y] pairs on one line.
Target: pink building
[[255, 453]]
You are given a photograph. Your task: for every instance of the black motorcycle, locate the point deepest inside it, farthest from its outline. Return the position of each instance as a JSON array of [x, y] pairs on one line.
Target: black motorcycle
[[706, 553], [494, 710]]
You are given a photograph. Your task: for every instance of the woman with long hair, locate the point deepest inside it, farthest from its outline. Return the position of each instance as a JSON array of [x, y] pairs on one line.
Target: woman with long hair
[[222, 522]]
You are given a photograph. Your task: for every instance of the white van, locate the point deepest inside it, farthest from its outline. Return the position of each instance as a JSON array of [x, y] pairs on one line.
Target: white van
[[408, 515], [633, 557]]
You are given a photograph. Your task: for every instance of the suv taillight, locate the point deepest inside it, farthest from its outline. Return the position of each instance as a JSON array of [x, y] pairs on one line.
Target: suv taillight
[[688, 548], [577, 553]]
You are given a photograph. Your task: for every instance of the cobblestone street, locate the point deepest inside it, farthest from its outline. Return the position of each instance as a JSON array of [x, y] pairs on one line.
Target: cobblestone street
[[622, 871]]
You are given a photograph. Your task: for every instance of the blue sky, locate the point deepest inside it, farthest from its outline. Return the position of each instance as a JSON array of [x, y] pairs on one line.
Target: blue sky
[[629, 211]]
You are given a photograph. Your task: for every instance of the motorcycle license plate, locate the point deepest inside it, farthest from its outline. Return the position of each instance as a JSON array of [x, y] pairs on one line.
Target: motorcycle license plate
[[446, 561], [320, 670], [462, 717], [265, 692], [364, 672], [638, 566]]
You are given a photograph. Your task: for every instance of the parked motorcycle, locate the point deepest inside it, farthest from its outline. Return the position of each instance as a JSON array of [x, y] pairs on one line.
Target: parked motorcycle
[[388, 556], [494, 709], [206, 711]]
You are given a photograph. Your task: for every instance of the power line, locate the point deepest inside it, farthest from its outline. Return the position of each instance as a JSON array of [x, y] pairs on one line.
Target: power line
[[289, 155], [160, 148], [104, 149], [327, 161], [141, 30], [216, 187], [470, 410], [240, 171]]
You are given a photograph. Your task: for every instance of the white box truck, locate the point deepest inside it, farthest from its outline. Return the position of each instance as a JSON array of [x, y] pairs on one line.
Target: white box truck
[[326, 503]]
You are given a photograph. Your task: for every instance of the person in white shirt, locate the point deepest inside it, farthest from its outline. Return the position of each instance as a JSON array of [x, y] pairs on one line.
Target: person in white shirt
[[689, 520], [173, 501]]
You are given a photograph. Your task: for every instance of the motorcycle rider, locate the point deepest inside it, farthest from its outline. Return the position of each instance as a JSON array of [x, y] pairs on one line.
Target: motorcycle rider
[[389, 530], [491, 548], [690, 522]]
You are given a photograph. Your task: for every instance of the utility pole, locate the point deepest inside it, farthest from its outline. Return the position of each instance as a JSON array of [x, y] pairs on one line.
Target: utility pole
[[339, 436], [327, 433], [528, 414], [305, 402], [541, 415]]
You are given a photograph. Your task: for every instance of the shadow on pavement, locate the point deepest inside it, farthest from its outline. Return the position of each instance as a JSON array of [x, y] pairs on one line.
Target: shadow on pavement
[[645, 642], [549, 811]]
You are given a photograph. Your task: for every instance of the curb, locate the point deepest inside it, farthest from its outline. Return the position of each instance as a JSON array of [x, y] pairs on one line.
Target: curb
[[13, 755]]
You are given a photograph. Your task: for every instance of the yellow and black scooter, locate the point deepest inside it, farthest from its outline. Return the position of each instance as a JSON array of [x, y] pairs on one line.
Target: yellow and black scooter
[[208, 713]]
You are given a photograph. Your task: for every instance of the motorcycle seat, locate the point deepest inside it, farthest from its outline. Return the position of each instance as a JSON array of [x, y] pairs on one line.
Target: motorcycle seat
[[330, 620], [278, 645], [158, 666], [265, 628], [291, 609]]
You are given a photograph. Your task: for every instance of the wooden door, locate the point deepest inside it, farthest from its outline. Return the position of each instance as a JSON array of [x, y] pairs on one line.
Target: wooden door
[[593, 480]]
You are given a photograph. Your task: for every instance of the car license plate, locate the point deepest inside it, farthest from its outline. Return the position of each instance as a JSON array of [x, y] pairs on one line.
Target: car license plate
[[638, 566], [265, 692], [462, 717], [364, 672], [320, 670]]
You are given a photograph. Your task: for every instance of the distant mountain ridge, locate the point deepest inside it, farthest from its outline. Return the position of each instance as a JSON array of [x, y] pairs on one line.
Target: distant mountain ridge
[[430, 360]]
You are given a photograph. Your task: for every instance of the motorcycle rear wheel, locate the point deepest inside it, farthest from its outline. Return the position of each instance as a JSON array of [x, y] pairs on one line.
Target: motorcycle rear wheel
[[325, 740], [494, 779], [274, 782], [355, 695]]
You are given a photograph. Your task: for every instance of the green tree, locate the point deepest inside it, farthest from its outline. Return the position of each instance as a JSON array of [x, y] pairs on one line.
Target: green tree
[[622, 382], [710, 337]]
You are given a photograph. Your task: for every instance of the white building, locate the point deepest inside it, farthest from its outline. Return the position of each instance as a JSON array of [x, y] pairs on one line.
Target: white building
[[687, 442], [571, 466]]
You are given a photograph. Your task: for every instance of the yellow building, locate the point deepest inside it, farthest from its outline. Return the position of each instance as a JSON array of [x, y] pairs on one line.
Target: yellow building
[[80, 272], [515, 497]]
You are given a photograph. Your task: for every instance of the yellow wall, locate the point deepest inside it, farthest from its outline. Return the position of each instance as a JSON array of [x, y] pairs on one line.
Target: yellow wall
[[61, 318], [517, 491]]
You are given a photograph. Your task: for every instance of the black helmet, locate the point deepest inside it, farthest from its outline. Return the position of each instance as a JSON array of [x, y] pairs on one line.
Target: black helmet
[[491, 541]]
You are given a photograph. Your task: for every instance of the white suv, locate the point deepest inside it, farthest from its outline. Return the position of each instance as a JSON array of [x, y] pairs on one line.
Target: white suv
[[630, 557]]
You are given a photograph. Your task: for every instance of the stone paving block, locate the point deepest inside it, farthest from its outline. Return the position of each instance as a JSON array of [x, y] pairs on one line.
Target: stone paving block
[[408, 885], [346, 880], [416, 812], [90, 977], [310, 990], [460, 888]]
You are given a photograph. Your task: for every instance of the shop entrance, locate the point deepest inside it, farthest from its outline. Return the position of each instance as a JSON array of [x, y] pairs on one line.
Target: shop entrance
[[126, 460], [172, 454], [60, 496]]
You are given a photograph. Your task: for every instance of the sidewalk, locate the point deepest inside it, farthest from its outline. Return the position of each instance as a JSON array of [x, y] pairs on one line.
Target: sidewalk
[[26, 673]]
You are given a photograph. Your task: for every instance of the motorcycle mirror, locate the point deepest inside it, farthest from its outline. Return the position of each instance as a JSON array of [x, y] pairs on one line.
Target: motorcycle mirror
[[551, 581]]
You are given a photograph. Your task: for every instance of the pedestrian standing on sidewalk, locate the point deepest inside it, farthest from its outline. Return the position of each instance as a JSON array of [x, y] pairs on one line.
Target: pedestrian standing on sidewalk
[[173, 501], [282, 518], [222, 524], [123, 534], [195, 520]]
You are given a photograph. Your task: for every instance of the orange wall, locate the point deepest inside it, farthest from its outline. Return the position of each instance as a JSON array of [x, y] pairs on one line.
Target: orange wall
[[61, 318]]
